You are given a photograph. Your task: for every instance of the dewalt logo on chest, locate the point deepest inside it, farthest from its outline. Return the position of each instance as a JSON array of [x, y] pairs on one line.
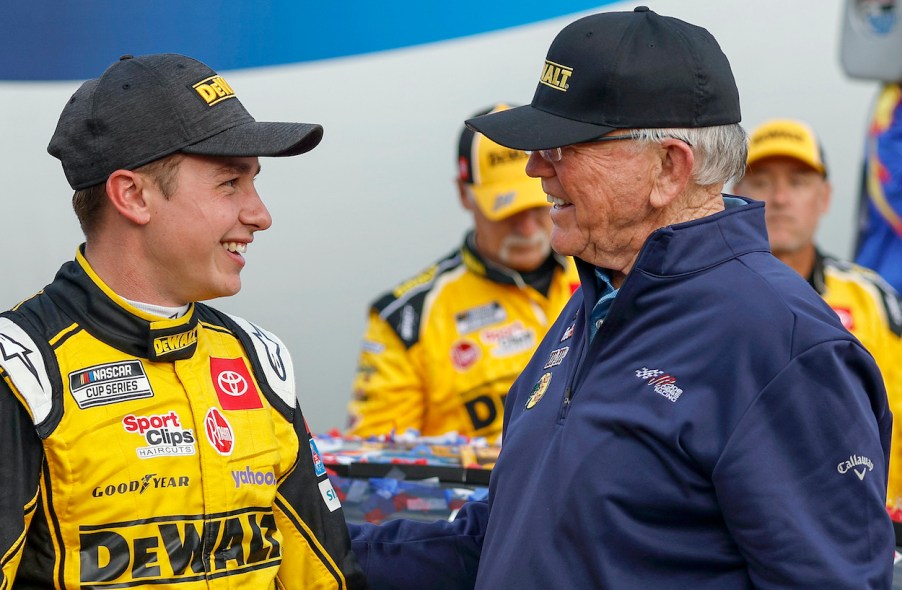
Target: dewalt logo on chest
[[172, 343], [163, 551]]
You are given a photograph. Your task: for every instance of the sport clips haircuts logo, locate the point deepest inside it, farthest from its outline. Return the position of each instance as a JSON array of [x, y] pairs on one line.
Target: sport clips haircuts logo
[[163, 433]]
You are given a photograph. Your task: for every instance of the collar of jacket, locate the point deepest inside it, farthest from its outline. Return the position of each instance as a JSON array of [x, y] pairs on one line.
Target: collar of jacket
[[816, 278], [478, 264], [691, 246], [108, 317]]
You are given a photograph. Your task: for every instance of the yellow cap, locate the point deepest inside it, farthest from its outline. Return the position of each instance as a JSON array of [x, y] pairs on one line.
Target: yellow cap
[[497, 175], [789, 138]]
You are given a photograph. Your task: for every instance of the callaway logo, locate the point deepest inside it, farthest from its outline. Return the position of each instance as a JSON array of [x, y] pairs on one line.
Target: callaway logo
[[662, 382], [857, 463]]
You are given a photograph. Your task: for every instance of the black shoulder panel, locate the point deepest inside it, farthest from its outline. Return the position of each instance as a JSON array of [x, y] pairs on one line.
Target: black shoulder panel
[[402, 307]]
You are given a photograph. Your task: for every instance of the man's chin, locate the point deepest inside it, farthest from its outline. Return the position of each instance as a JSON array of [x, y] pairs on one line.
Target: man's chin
[[525, 262]]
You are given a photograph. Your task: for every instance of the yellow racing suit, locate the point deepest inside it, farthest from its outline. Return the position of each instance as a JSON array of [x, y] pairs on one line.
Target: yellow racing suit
[[441, 350], [143, 452], [872, 310]]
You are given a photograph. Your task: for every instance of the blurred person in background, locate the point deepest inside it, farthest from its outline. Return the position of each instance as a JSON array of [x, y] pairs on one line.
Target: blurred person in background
[[442, 348], [787, 170]]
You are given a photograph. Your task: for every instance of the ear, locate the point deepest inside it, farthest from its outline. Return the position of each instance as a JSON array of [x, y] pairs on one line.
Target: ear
[[826, 196], [677, 161], [125, 190], [466, 199]]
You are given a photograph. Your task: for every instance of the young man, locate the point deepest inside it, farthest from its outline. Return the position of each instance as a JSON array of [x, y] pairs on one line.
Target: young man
[[788, 171], [697, 417], [150, 440], [442, 348]]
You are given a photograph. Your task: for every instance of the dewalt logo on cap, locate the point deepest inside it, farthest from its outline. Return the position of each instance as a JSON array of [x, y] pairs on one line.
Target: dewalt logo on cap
[[556, 76], [214, 90]]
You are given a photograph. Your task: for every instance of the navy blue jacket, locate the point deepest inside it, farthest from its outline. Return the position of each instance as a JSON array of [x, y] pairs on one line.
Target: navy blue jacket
[[722, 430]]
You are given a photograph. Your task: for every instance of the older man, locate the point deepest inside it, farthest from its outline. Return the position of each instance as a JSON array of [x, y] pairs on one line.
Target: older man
[[697, 417]]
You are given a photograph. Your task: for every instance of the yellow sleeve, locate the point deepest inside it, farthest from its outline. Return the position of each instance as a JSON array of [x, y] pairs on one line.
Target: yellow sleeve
[[389, 390]]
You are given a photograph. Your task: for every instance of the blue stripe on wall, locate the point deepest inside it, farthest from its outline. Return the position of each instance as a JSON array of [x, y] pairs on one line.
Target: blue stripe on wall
[[75, 40]]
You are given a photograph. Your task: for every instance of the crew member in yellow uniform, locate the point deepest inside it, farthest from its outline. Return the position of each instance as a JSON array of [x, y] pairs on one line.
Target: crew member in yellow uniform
[[787, 170], [442, 349], [149, 440]]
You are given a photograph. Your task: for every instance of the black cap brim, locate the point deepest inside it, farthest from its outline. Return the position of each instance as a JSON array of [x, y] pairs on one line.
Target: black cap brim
[[529, 128], [260, 139]]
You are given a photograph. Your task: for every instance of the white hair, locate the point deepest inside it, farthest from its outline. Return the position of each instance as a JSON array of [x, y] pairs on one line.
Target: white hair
[[720, 151]]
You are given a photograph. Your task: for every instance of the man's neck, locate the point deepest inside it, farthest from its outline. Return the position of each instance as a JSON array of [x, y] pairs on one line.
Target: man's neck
[[801, 261]]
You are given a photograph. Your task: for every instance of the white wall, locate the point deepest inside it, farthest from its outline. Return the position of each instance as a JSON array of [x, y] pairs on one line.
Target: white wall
[[375, 202]]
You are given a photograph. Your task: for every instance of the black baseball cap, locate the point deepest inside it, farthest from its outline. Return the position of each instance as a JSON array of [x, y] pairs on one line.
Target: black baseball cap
[[620, 70], [147, 107]]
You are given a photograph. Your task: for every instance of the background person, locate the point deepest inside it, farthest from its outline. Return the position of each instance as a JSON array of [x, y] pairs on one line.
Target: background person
[[788, 171], [697, 417], [442, 348], [150, 440]]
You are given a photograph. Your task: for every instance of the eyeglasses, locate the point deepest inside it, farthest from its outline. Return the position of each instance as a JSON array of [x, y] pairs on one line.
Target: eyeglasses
[[555, 154]]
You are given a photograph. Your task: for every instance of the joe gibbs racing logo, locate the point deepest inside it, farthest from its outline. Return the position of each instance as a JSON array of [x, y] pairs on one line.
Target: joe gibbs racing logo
[[219, 432]]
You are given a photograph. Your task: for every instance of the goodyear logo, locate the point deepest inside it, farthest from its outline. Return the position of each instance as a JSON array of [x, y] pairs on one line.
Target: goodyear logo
[[149, 481], [214, 90], [178, 549], [556, 76], [174, 342]]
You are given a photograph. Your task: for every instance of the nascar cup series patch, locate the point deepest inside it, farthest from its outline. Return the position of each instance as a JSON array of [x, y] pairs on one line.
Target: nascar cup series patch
[[109, 383], [538, 390]]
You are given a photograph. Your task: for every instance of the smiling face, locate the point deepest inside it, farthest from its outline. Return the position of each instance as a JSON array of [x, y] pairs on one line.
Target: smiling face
[[195, 239], [602, 211]]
